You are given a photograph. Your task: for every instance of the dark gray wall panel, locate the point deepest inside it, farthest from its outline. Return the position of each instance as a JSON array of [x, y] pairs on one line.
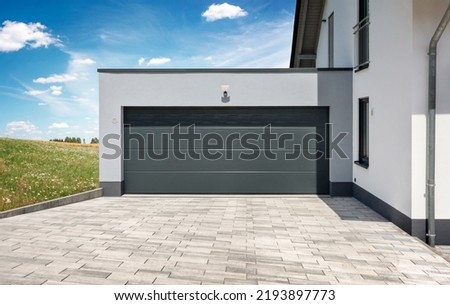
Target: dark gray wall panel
[[112, 189], [341, 189]]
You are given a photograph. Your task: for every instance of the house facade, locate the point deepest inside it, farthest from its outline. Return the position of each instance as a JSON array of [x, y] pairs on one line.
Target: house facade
[[349, 118], [387, 43], [229, 131]]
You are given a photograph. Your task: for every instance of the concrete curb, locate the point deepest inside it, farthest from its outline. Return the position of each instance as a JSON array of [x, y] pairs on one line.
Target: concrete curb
[[53, 203]]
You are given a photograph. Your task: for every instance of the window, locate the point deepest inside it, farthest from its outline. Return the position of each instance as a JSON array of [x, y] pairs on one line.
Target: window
[[331, 41], [362, 36], [363, 133]]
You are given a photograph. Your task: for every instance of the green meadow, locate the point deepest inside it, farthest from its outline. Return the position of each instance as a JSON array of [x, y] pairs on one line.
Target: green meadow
[[36, 171]]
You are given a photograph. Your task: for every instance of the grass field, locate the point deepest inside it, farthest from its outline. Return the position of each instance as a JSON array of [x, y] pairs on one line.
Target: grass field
[[35, 171]]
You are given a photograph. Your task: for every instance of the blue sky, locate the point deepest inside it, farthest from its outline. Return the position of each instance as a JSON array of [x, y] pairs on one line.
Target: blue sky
[[50, 51]]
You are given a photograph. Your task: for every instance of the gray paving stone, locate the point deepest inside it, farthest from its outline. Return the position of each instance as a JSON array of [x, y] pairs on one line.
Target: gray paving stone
[[45, 276], [8, 279], [214, 240], [175, 281], [225, 275], [51, 282], [85, 280], [122, 278], [230, 281], [150, 273], [87, 273]]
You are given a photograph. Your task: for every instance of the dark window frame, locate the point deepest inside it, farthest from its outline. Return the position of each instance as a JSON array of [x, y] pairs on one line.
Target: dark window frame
[[363, 9], [362, 36], [363, 125], [331, 41]]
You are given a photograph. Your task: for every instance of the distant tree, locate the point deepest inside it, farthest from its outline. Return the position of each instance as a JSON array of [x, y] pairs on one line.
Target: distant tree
[[94, 141], [72, 140]]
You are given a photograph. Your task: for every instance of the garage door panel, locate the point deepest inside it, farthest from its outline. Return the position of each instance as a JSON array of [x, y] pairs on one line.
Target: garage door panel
[[223, 183], [225, 116], [296, 130], [282, 137], [230, 160]]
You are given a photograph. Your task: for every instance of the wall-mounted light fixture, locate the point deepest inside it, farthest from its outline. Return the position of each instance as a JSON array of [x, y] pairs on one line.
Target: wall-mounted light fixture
[[225, 93]]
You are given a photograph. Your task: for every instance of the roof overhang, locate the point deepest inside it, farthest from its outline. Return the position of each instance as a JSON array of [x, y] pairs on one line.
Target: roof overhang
[[307, 24]]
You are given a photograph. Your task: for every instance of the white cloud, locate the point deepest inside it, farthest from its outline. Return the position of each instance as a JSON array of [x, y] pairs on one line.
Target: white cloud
[[56, 78], [20, 127], [158, 61], [84, 61], [59, 126], [56, 90], [17, 35], [222, 11], [141, 61], [35, 92], [57, 104]]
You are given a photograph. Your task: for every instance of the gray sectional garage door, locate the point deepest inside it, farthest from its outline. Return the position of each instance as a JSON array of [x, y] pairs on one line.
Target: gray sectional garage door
[[232, 150]]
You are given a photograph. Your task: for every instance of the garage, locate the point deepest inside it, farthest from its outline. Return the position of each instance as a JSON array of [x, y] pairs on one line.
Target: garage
[[225, 150]]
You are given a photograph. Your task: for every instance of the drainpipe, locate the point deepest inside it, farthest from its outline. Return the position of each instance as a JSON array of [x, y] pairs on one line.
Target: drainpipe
[[431, 130]]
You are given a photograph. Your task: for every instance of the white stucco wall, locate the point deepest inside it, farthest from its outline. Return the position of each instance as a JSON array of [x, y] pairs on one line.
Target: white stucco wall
[[397, 84], [388, 84], [344, 21], [119, 90]]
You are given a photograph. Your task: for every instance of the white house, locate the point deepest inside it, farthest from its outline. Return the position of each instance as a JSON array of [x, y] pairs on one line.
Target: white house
[[387, 44], [349, 118]]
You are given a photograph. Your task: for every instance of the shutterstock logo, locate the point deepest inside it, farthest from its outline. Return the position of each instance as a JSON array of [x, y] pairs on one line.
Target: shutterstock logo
[[199, 143]]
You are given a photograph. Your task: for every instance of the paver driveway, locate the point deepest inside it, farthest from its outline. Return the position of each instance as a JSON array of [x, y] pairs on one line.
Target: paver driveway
[[213, 240]]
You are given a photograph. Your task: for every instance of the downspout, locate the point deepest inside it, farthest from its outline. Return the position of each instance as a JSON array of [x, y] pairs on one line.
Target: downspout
[[431, 130]]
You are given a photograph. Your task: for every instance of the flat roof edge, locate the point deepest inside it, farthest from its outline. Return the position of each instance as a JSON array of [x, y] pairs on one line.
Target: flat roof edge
[[334, 69], [205, 70]]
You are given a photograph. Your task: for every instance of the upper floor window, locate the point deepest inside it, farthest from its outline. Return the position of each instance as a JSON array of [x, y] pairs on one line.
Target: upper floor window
[[362, 36]]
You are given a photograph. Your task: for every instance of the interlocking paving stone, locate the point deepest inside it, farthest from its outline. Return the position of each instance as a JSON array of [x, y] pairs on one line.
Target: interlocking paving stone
[[214, 240], [86, 273], [176, 281], [46, 276], [444, 251]]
